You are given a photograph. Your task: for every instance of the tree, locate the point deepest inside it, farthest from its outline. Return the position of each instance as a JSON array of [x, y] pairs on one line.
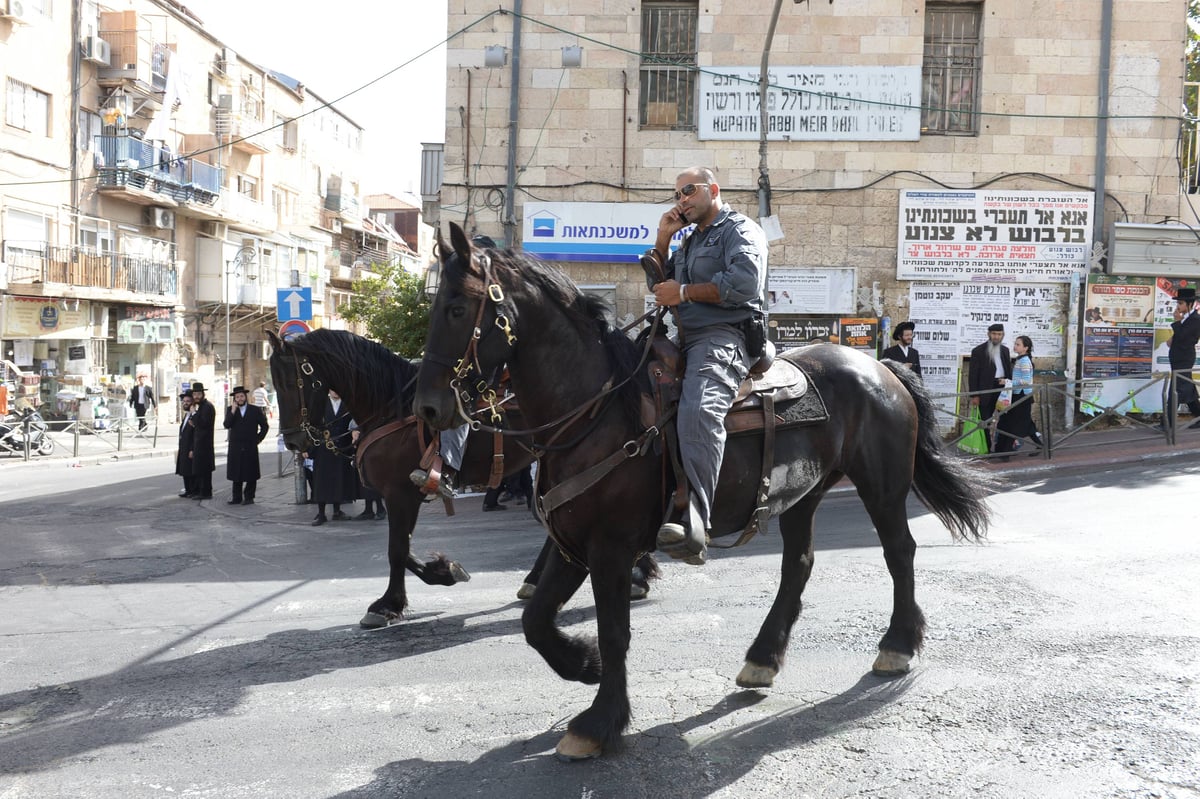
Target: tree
[[1191, 99], [394, 308]]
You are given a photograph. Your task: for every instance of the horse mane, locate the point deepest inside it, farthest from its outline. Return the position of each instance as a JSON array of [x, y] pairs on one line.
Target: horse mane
[[357, 367], [587, 312]]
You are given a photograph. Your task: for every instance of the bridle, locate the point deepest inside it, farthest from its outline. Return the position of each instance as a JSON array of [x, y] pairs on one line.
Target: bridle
[[462, 368], [318, 433]]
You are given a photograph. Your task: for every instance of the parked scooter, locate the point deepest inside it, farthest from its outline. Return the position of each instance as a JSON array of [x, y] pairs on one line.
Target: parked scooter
[[16, 427]]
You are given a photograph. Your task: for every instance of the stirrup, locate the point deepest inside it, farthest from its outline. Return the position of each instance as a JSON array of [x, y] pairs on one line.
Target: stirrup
[[420, 479], [676, 541]]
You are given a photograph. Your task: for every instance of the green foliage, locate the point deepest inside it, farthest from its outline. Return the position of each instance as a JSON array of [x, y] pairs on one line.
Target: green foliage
[[394, 308], [1193, 40]]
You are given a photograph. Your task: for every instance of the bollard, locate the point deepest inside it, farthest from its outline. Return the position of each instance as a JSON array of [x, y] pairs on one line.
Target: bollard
[[27, 426], [120, 434], [75, 450], [301, 484]]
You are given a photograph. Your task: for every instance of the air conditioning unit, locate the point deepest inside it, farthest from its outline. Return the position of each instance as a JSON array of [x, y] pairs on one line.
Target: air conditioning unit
[[160, 218], [14, 10], [336, 225], [97, 50], [212, 228], [225, 102]]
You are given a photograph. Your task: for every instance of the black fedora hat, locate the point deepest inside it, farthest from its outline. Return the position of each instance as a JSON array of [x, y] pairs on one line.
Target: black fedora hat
[[197, 387], [1186, 294], [900, 328], [187, 394], [238, 390]]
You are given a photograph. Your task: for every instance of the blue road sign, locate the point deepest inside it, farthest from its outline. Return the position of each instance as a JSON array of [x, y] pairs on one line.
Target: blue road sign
[[294, 303]]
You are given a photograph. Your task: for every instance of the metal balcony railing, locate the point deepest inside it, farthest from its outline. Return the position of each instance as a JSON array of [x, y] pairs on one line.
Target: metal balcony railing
[[38, 262], [129, 161]]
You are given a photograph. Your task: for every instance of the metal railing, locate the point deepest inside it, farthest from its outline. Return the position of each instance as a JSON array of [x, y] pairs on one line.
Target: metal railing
[[39, 262], [1089, 414], [130, 161], [116, 435]]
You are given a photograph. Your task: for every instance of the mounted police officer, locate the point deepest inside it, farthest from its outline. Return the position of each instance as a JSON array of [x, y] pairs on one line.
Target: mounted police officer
[[718, 282]]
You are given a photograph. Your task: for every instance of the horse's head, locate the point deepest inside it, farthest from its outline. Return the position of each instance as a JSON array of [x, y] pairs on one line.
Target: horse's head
[[470, 327], [299, 391]]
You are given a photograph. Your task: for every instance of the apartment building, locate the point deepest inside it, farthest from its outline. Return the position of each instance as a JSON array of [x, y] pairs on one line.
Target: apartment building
[[957, 162], [156, 189]]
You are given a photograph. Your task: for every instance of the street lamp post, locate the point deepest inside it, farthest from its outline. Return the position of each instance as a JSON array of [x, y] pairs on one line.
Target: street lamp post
[[243, 258]]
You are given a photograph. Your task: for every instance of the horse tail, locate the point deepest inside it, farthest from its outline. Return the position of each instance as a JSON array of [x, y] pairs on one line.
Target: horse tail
[[955, 492]]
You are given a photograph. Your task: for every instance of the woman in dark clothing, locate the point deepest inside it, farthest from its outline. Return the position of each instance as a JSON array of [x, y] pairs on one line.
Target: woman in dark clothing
[[334, 480], [1017, 421]]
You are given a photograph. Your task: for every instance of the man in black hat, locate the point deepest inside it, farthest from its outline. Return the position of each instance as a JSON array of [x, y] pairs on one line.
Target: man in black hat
[[904, 352], [183, 463], [202, 455], [247, 426], [1181, 349], [990, 366]]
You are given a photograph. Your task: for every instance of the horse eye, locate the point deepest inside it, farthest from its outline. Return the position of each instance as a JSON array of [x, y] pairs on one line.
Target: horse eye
[[457, 311]]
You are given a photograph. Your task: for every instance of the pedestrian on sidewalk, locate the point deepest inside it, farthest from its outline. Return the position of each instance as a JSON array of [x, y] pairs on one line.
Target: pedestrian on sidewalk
[[183, 463], [334, 480], [141, 398], [247, 426], [989, 367], [904, 353], [1181, 350], [1017, 420], [372, 499], [262, 398], [203, 455]]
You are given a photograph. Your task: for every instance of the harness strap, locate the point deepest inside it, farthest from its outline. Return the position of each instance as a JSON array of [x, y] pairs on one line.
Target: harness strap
[[369, 440], [497, 460]]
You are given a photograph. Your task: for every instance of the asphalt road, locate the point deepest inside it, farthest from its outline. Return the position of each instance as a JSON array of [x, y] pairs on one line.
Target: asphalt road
[[152, 646]]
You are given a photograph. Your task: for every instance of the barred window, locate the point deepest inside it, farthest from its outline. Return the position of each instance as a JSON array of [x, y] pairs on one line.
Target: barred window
[[667, 96], [950, 69]]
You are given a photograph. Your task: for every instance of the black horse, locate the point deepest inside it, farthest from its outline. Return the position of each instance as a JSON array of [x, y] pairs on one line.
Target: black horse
[[563, 357], [377, 387]]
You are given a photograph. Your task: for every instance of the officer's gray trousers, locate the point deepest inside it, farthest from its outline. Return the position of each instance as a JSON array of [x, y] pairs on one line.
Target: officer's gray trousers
[[453, 442], [717, 363]]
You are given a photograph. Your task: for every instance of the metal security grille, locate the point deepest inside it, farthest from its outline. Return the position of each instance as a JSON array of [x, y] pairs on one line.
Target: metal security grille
[[950, 71], [667, 96]]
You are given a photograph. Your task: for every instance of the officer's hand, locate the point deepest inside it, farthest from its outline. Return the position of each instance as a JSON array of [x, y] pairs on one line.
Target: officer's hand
[[667, 293], [672, 221]]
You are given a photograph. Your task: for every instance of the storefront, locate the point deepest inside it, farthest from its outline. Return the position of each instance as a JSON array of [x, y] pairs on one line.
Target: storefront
[[52, 338]]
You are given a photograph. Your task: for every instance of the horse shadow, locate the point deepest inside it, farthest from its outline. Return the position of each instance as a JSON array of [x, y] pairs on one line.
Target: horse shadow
[[653, 762], [50, 724]]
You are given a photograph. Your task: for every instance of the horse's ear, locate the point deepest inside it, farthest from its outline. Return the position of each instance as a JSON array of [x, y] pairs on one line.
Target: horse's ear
[[273, 337], [462, 247]]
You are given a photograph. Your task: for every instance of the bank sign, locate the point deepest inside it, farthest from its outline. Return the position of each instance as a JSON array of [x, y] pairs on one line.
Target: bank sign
[[593, 232]]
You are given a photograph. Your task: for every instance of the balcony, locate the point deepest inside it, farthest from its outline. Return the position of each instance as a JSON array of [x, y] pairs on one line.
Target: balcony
[[246, 213], [137, 65], [40, 268], [147, 174]]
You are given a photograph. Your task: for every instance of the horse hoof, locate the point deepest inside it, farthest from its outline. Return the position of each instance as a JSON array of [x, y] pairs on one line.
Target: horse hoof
[[526, 591], [754, 676], [639, 591], [574, 747], [891, 664], [373, 621], [459, 574]]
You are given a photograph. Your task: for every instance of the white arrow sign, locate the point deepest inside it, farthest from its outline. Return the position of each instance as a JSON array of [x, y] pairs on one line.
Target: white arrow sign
[[293, 302]]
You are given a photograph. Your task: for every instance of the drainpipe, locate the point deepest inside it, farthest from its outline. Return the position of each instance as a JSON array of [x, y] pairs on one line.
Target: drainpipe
[[764, 179], [76, 66], [1105, 68], [510, 223]]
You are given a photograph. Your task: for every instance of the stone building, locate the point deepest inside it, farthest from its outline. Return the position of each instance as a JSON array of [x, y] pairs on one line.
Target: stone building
[[984, 146]]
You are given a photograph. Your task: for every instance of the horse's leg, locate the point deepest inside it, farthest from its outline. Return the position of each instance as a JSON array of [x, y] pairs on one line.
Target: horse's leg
[[765, 656], [535, 574], [906, 632], [403, 506], [603, 722], [571, 658]]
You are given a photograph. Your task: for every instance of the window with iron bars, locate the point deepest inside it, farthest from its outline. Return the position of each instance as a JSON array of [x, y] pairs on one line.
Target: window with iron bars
[[667, 96], [950, 71]]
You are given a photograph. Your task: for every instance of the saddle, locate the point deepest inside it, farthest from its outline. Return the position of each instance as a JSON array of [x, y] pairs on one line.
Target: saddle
[[777, 394]]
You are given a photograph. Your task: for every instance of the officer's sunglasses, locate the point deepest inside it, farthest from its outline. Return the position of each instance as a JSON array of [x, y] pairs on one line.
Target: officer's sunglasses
[[689, 190]]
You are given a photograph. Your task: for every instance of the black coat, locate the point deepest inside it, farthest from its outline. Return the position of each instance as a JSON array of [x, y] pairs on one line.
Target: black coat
[[204, 422], [183, 464], [897, 354], [334, 477], [1185, 335], [981, 373], [246, 432]]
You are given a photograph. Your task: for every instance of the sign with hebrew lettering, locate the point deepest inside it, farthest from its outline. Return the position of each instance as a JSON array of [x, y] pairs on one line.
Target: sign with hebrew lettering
[[594, 232], [994, 236], [850, 103]]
